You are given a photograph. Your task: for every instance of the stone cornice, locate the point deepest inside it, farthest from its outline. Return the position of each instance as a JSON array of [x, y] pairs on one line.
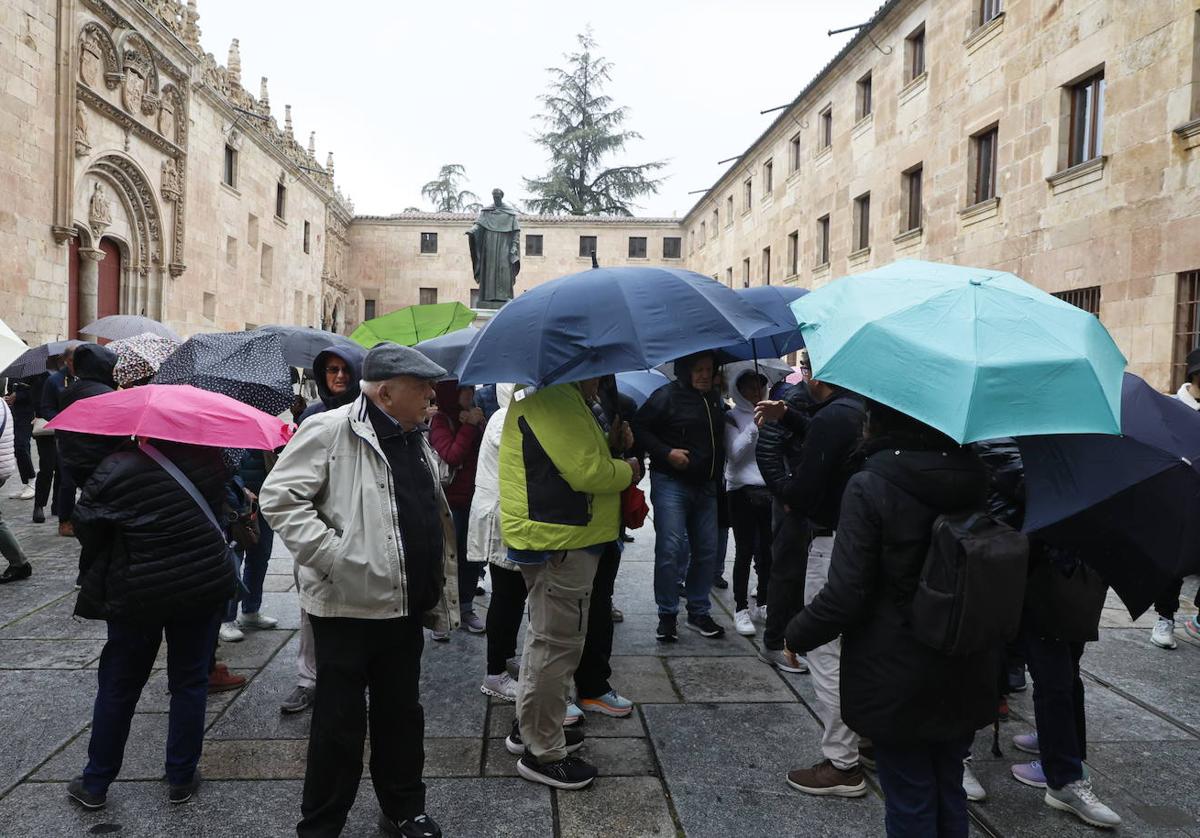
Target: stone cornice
[[417, 218], [1189, 133]]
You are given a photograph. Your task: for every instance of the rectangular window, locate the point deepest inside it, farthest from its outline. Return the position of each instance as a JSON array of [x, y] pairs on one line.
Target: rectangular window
[[794, 154], [983, 174], [825, 127], [715, 222], [911, 194], [862, 221], [703, 232], [746, 272], [989, 10], [429, 242], [729, 211], [231, 251], [229, 176], [1187, 322], [823, 240], [914, 54], [474, 298], [427, 296], [793, 253], [533, 245], [587, 245], [368, 309], [863, 97], [307, 237], [267, 268], [1087, 119], [729, 277], [1087, 299], [747, 193], [210, 306], [280, 201], [766, 266], [252, 230], [672, 247], [768, 178], [637, 247]]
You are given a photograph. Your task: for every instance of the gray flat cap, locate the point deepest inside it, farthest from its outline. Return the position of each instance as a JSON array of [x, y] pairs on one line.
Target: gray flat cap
[[388, 360]]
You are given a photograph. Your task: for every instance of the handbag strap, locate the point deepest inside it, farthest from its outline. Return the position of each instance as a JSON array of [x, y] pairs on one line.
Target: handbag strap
[[189, 487]]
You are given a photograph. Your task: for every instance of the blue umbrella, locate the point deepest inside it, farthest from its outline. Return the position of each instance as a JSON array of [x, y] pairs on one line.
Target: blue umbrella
[[775, 302], [640, 384], [446, 350], [247, 366], [608, 320], [302, 344], [1129, 503]]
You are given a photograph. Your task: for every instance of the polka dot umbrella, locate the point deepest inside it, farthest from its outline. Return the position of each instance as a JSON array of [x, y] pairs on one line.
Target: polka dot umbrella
[[247, 366], [139, 357]]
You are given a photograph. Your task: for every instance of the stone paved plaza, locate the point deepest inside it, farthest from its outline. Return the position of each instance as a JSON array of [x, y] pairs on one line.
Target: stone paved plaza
[[703, 755]]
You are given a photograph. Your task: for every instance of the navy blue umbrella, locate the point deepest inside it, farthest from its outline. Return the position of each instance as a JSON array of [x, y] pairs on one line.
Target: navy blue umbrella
[[247, 366], [446, 350], [301, 344], [1129, 503], [640, 384], [609, 320], [775, 302]]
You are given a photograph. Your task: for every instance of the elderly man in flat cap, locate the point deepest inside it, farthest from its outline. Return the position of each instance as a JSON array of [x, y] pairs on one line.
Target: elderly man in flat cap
[[356, 499]]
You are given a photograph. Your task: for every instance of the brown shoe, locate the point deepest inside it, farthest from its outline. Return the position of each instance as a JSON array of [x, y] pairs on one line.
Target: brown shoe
[[221, 680], [826, 779], [66, 529]]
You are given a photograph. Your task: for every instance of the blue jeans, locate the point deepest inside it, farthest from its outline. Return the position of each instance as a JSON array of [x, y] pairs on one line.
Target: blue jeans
[[125, 666], [254, 567], [922, 787], [685, 526], [1058, 707]]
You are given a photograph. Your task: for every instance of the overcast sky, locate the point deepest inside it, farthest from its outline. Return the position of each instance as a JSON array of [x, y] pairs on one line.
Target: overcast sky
[[396, 89]]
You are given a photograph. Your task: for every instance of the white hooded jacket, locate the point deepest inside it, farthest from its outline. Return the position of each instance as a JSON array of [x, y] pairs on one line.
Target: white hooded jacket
[[484, 543], [8, 458], [1185, 396], [741, 437]]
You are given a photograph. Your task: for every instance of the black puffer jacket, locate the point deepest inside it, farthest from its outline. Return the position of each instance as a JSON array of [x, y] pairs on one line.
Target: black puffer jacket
[[895, 689], [80, 453], [778, 448], [677, 416], [149, 551], [815, 487]]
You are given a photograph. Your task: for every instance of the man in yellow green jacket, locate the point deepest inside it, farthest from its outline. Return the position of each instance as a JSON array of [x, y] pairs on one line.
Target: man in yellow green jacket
[[559, 506]]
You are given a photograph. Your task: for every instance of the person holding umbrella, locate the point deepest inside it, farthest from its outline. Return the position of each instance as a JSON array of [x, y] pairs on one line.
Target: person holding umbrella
[[18, 565], [60, 483]]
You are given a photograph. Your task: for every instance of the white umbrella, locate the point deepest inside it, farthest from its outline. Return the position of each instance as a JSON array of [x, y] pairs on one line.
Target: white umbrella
[[11, 346], [119, 326]]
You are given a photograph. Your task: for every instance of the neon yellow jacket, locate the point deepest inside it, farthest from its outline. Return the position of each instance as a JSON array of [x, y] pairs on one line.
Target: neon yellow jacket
[[559, 485]]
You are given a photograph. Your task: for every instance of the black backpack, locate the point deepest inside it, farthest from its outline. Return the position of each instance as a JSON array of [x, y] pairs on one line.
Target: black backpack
[[972, 586]]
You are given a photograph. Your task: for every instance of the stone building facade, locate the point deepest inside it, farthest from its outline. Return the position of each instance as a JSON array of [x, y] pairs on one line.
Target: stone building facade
[[140, 176], [1056, 139]]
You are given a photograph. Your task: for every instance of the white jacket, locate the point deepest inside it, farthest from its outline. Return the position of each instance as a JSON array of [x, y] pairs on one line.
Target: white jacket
[[8, 457], [330, 498], [741, 438], [483, 531], [1185, 396]]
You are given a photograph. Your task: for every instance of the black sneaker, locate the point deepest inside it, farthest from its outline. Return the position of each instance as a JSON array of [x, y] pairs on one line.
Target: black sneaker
[[15, 573], [83, 797], [707, 626], [39, 515], [516, 747], [184, 793], [666, 628], [720, 582], [569, 773], [422, 826]]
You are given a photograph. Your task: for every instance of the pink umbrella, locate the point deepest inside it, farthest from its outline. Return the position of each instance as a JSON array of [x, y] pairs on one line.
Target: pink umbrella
[[797, 377], [178, 412]]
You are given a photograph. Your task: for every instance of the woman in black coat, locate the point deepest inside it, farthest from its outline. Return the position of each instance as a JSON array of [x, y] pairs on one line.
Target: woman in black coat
[[152, 563], [919, 706]]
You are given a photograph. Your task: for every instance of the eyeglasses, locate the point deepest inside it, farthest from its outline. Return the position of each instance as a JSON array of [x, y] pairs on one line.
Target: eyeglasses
[[336, 371]]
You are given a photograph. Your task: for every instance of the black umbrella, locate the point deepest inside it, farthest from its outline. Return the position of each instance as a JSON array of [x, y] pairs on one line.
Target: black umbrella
[[1129, 503], [301, 344], [33, 361], [247, 366], [447, 349], [118, 326]]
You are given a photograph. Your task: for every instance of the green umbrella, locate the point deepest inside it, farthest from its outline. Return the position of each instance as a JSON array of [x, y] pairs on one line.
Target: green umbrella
[[409, 326], [976, 353]]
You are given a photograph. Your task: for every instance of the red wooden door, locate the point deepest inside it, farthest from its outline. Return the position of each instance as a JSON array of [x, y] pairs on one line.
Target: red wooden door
[[73, 289], [108, 294]]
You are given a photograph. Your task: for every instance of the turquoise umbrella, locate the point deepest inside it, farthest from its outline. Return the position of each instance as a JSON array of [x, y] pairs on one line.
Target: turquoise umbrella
[[976, 353]]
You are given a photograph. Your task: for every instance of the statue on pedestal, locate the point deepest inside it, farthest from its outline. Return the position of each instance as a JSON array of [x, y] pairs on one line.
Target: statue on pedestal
[[495, 241]]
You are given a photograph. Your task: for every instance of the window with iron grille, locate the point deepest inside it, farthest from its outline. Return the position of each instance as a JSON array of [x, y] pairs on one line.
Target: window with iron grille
[[1087, 299], [429, 242], [1087, 119], [672, 247], [914, 54], [637, 247], [427, 296], [533, 245], [1187, 322]]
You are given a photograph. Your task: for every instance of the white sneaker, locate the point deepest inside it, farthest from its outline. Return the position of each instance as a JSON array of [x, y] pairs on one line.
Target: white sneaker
[[500, 686], [230, 633], [1079, 799], [761, 614], [24, 493], [1163, 635], [257, 620], [971, 784], [742, 623]]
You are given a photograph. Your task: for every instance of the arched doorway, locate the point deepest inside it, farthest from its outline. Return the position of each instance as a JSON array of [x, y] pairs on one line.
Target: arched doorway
[[108, 294]]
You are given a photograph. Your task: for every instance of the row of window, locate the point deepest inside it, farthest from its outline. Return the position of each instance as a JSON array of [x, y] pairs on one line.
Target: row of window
[[229, 177], [672, 246]]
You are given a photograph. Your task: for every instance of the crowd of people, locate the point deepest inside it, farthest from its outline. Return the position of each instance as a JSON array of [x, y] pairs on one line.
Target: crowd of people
[[401, 488]]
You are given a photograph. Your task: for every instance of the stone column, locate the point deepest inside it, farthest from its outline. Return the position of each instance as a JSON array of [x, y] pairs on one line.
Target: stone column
[[89, 284]]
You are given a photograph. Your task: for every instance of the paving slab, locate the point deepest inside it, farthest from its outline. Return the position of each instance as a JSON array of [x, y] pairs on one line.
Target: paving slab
[[595, 724], [635, 636], [1110, 717], [253, 712], [1125, 659], [734, 680], [55, 620], [33, 727], [145, 751], [156, 697], [625, 806], [1160, 776], [450, 677], [725, 765], [49, 654], [642, 679]]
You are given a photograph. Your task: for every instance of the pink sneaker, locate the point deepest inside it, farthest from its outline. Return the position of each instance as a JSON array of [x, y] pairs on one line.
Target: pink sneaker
[[1027, 742], [1192, 627], [1030, 773]]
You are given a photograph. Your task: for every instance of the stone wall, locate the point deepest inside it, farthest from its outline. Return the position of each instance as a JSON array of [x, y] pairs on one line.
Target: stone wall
[[1126, 222]]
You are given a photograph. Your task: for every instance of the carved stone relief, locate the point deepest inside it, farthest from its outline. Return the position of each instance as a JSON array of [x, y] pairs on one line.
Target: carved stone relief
[[83, 143], [99, 211], [172, 185], [98, 58]]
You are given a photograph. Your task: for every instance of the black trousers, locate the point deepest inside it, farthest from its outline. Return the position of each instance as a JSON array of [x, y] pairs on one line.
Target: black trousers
[[789, 564], [504, 615], [22, 434], [354, 657], [750, 516], [1167, 602], [47, 476], [593, 672]]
